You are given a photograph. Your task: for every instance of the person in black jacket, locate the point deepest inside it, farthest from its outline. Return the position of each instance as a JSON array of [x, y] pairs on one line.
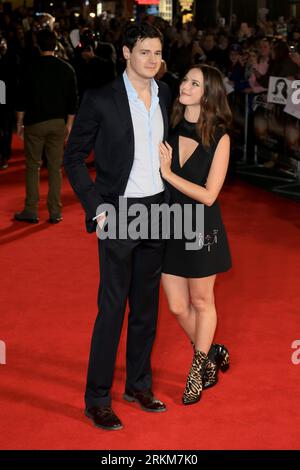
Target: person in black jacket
[[47, 102], [91, 71], [124, 121], [8, 84]]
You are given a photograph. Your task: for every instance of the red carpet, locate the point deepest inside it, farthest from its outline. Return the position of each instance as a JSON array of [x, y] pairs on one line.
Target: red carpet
[[49, 280]]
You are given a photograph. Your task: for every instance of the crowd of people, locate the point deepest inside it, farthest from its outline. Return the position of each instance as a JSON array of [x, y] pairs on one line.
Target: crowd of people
[[246, 55]]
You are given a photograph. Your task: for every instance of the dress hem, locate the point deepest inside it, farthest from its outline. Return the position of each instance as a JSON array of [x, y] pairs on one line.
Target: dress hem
[[188, 276]]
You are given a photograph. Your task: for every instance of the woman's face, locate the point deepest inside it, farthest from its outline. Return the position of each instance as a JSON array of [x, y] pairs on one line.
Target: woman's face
[[265, 48], [280, 86], [191, 88], [252, 60]]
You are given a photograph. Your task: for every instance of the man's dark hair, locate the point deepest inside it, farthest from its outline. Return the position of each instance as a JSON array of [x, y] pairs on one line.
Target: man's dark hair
[[46, 40], [135, 31]]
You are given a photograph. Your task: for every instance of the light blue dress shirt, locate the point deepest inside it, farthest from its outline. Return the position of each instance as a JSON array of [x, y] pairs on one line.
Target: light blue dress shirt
[[145, 179]]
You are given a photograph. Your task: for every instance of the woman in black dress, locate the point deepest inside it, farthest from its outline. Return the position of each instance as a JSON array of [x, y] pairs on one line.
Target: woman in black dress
[[194, 165]]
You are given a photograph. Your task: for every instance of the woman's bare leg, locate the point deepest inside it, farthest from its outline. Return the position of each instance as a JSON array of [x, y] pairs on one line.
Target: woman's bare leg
[[177, 293], [203, 306]]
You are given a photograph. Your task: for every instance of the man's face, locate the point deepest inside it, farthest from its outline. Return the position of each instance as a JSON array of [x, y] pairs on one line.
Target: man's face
[[87, 53], [209, 43], [223, 42], [296, 35], [145, 58], [3, 46], [234, 57]]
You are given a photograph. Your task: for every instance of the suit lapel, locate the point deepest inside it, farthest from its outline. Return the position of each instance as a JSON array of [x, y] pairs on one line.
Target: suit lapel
[[122, 104]]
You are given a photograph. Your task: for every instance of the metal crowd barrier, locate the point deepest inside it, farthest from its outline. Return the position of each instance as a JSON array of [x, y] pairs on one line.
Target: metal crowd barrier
[[268, 141]]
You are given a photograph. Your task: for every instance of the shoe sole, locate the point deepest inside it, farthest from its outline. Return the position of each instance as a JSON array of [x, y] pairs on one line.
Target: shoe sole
[[191, 402], [106, 428], [134, 400], [54, 221], [205, 387], [30, 221]]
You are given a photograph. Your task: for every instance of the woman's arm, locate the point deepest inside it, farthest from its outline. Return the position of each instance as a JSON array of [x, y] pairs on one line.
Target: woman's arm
[[217, 173]]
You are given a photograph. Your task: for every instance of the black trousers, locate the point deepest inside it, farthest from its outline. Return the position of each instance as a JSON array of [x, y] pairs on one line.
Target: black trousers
[[129, 269], [7, 118]]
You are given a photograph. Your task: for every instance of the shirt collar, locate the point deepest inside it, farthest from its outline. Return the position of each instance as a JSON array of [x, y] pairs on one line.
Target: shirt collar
[[132, 93]]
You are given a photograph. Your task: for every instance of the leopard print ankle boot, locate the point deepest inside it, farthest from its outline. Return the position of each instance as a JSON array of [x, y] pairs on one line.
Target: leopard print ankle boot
[[218, 358], [194, 385], [221, 355]]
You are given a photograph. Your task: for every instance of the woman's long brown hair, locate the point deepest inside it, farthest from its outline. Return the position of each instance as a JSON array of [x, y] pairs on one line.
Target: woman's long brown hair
[[215, 111]]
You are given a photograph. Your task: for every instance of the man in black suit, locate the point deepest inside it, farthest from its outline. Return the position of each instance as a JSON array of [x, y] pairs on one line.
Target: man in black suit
[[125, 121]]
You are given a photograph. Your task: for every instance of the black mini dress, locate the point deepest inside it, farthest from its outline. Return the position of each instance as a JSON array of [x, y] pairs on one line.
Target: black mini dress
[[213, 255]]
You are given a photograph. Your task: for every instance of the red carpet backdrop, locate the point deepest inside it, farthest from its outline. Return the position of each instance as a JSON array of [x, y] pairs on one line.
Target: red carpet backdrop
[[49, 281]]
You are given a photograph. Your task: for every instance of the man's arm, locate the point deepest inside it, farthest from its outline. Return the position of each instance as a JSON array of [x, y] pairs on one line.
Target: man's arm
[[69, 125], [78, 148], [20, 125], [21, 98], [72, 100]]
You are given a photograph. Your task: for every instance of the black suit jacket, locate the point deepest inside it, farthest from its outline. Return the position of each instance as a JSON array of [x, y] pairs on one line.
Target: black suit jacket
[[104, 123]]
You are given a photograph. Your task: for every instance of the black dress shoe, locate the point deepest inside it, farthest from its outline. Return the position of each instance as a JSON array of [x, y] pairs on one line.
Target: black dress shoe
[[146, 400], [55, 219], [104, 417], [3, 165], [25, 216]]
